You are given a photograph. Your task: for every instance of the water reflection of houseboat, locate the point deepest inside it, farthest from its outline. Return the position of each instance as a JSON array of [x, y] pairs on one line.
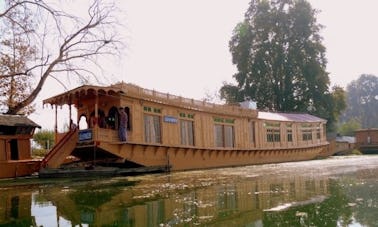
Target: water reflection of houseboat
[[15, 207], [220, 205], [168, 130], [15, 148]]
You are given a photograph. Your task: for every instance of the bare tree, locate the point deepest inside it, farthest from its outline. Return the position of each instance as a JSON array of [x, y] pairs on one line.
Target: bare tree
[[67, 45], [16, 51]]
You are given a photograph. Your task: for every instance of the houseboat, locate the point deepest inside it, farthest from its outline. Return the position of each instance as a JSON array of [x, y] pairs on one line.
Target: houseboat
[[177, 133], [15, 149], [367, 140]]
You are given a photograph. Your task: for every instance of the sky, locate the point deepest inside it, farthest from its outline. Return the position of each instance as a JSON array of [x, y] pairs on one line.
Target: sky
[[181, 46]]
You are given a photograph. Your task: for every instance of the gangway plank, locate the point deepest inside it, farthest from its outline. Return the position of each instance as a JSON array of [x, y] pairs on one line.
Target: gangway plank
[[61, 150]]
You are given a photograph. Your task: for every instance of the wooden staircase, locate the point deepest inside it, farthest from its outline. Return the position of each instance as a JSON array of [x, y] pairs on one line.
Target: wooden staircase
[[61, 150]]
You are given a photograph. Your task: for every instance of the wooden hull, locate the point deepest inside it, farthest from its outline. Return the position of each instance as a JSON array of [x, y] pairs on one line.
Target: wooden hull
[[13, 169], [181, 158], [98, 172], [368, 148]]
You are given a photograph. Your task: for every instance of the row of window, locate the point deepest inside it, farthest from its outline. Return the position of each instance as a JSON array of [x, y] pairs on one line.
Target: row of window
[[152, 130], [273, 133], [224, 135]]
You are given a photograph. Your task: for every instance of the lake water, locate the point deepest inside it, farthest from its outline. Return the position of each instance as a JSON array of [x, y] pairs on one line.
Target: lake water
[[338, 191]]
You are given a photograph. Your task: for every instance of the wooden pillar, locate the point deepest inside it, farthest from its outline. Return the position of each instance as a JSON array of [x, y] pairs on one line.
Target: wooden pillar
[[70, 113], [56, 123], [96, 116]]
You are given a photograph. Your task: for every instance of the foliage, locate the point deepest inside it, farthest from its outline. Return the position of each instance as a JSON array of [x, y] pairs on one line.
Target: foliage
[[230, 93], [335, 106], [38, 152], [65, 46], [362, 101], [281, 60], [15, 52], [348, 128], [45, 138], [356, 152]]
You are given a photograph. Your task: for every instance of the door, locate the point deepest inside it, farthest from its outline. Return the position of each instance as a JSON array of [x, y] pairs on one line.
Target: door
[[14, 149]]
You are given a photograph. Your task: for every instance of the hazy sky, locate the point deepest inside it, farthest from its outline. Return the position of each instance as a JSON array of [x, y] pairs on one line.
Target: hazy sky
[[181, 47]]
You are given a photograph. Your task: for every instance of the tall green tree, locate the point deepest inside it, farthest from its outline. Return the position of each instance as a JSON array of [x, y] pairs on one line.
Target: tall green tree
[[362, 101], [280, 59]]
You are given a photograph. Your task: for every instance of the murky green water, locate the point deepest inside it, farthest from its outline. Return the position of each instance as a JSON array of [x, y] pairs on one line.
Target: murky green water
[[341, 191]]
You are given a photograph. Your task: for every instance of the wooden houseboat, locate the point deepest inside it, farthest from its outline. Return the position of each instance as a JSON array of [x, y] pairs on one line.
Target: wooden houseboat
[[179, 133], [15, 148], [367, 140]]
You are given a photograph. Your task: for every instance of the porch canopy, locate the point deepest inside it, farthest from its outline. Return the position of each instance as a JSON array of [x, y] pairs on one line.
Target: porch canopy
[[84, 92]]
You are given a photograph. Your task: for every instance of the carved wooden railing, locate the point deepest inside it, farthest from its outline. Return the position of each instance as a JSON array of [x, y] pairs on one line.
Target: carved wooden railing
[[166, 98]]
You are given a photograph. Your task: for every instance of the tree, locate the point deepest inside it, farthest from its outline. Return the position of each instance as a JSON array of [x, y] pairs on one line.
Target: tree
[[15, 52], [45, 138], [280, 59], [66, 46], [362, 101], [348, 128], [334, 106]]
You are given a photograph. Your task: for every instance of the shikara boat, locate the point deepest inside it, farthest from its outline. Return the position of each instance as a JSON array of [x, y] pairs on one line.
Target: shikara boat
[[177, 133]]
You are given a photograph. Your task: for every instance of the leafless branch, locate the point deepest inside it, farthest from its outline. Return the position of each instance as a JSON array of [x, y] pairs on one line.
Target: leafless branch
[[82, 42]]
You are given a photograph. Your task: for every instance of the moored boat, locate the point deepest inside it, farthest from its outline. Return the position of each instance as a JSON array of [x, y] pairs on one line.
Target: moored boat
[[16, 132], [182, 133]]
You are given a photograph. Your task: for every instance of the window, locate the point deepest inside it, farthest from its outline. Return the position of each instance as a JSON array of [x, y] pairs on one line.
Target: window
[[289, 132], [219, 135], [318, 132], [224, 135], [187, 132], [127, 110], [228, 136], [112, 119], [100, 121], [273, 133], [289, 135], [252, 132], [83, 124], [152, 129], [306, 132], [269, 135]]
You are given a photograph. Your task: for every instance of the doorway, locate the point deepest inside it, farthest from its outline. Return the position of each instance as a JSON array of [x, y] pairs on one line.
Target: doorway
[[14, 149]]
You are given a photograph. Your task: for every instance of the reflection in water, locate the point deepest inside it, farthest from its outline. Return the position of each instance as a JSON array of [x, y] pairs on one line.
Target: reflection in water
[[268, 195]]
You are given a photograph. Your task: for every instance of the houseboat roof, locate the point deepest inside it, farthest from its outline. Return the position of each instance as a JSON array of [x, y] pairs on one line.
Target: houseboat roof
[[345, 139], [289, 117], [73, 96], [16, 120], [131, 90]]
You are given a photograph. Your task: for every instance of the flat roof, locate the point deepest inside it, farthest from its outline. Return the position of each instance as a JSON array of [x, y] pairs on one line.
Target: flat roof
[[289, 117]]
